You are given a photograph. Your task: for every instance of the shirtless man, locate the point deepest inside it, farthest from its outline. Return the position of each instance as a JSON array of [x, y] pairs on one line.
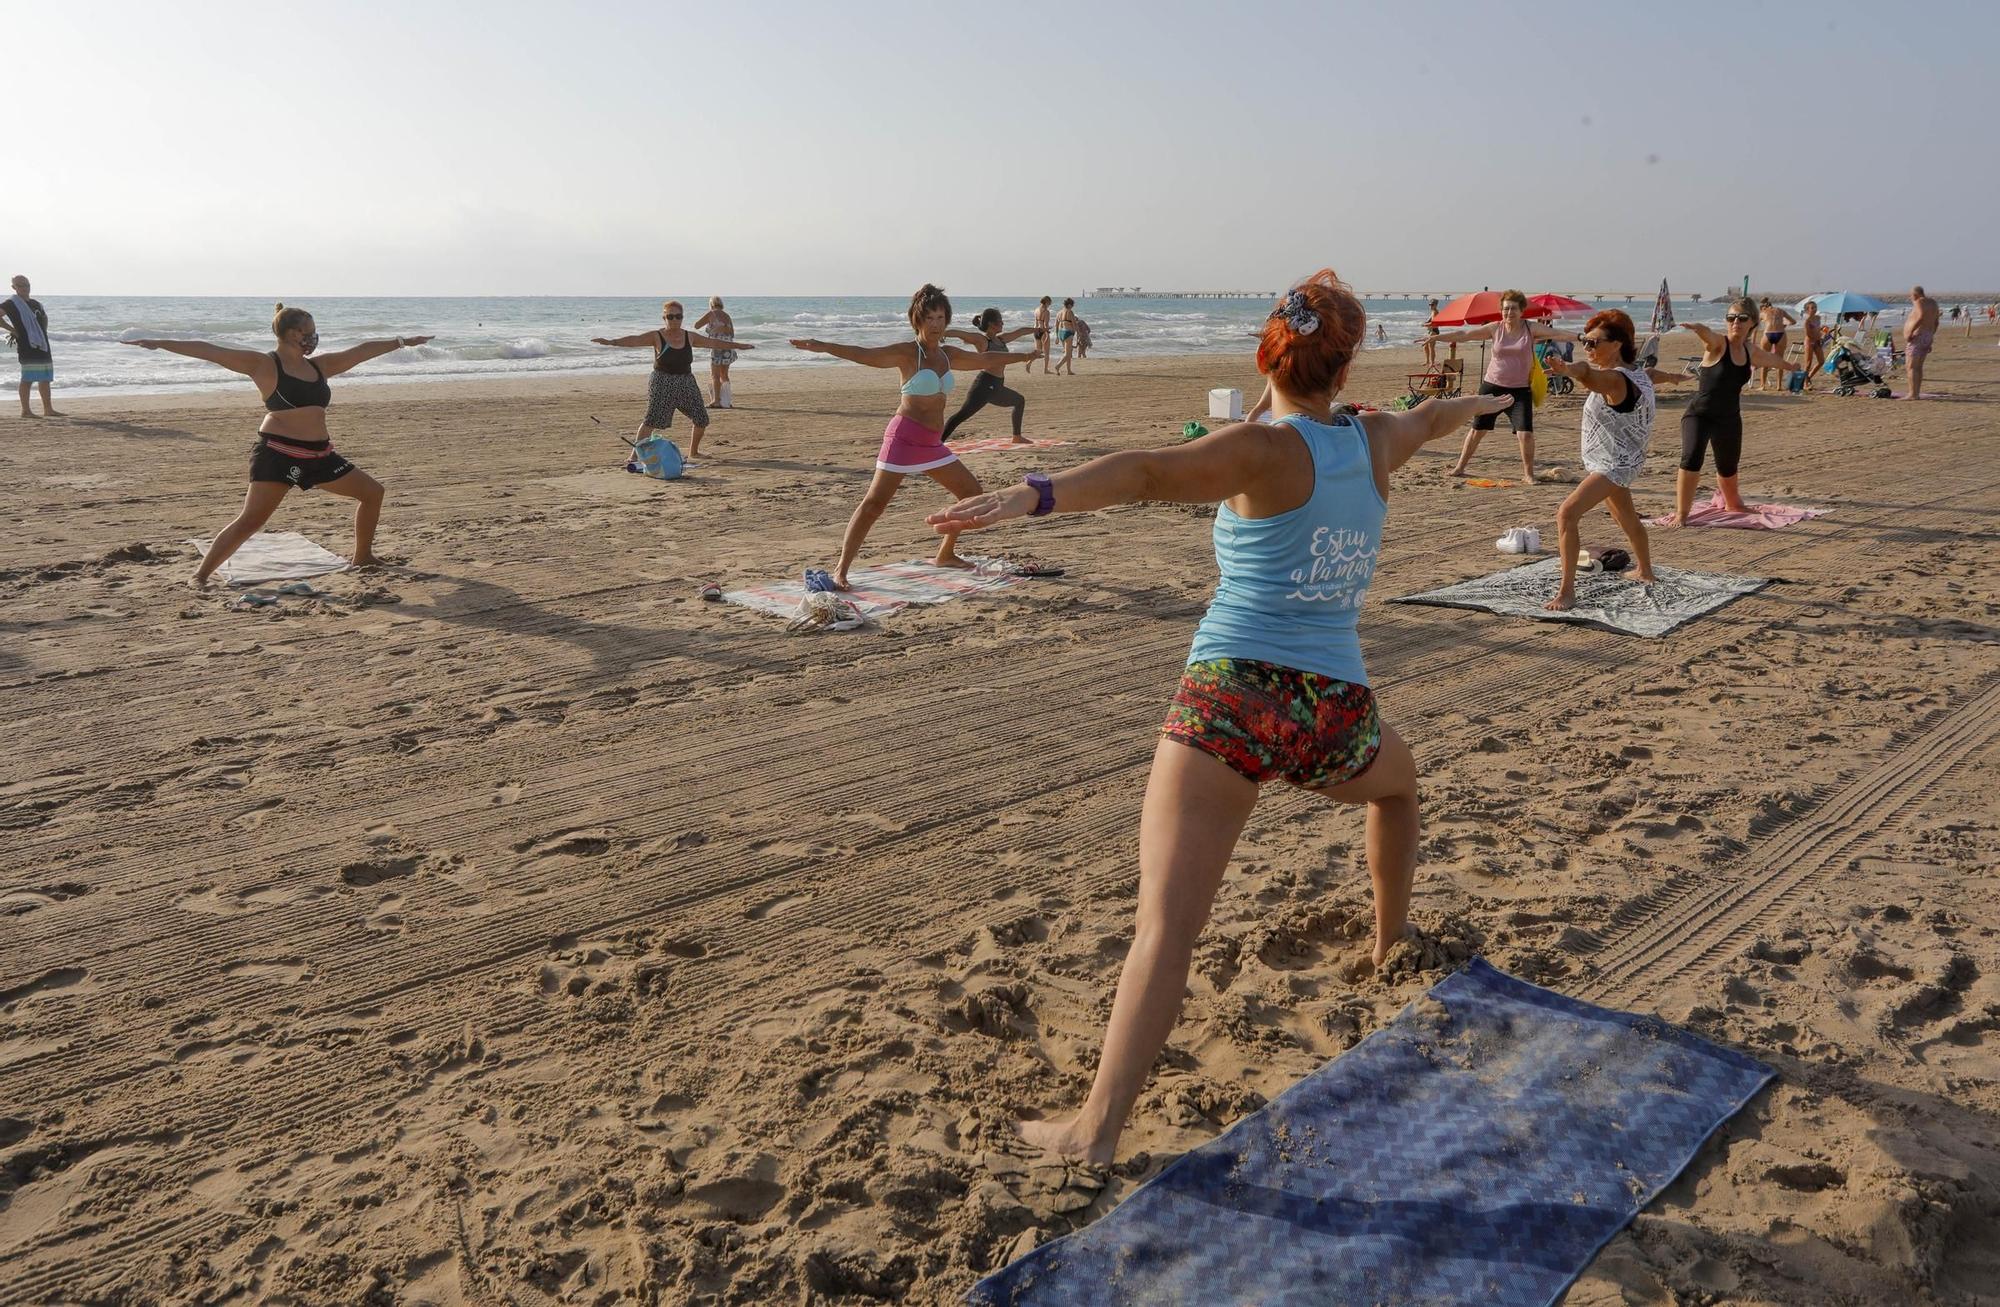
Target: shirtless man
[[1776, 321], [1919, 329]]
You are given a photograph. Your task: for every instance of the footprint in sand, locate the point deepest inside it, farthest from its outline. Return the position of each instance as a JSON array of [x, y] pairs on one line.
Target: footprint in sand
[[567, 844], [255, 815], [386, 918], [506, 792], [281, 971], [376, 870], [24, 898], [47, 983], [211, 902], [772, 907]]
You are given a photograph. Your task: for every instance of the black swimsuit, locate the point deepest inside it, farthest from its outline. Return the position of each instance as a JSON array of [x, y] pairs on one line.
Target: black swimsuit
[[988, 389], [675, 360], [1715, 415]]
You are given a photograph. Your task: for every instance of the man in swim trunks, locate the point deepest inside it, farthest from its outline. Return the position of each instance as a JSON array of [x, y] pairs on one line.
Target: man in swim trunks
[[1919, 330], [27, 324]]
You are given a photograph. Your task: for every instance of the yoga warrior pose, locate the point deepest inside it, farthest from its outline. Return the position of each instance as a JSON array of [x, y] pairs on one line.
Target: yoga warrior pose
[[1507, 372], [673, 388], [719, 326], [1275, 688], [1714, 417], [293, 449], [1617, 426], [990, 385], [913, 441]]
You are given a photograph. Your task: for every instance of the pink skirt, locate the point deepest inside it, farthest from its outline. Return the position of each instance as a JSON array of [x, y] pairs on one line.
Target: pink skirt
[[910, 446]]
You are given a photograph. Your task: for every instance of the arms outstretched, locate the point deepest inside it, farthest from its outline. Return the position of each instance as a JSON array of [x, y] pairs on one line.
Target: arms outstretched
[[1394, 437], [1469, 334], [1717, 344], [868, 356], [1608, 382], [977, 338], [344, 359], [965, 360], [710, 342], [246, 361], [634, 341]]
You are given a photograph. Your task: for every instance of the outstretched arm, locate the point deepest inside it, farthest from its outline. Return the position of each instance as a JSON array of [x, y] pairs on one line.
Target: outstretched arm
[[1608, 382], [1469, 334], [342, 360], [1543, 331], [710, 342], [966, 360], [1394, 437], [1710, 337], [969, 337], [1660, 376], [1766, 358], [1237, 458], [244, 361], [628, 342], [868, 356]]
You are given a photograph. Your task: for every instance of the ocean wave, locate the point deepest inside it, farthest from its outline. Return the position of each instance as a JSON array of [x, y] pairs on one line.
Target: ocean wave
[[532, 347]]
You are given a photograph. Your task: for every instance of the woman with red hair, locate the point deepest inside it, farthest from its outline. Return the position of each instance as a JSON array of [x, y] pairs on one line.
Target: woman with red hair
[[1275, 688], [1617, 427]]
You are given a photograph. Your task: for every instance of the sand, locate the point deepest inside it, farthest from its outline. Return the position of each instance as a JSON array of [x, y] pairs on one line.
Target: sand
[[512, 926]]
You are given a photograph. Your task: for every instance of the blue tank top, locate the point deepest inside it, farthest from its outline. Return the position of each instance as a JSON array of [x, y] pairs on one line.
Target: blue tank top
[[1292, 585]]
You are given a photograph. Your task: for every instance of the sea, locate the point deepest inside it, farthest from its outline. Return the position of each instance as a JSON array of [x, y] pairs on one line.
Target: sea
[[550, 335]]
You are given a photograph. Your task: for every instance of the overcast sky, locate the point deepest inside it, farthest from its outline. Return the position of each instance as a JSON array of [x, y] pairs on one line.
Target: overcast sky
[[370, 148]]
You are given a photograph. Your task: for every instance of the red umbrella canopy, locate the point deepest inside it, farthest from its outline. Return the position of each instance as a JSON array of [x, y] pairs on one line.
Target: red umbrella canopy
[[1477, 309], [1557, 306]]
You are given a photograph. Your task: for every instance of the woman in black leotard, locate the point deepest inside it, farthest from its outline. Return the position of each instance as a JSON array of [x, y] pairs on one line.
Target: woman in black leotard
[[293, 450], [1714, 418], [989, 384]]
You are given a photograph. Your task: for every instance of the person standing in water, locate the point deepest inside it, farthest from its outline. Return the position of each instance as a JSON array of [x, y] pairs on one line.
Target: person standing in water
[[293, 450], [1507, 373], [990, 385], [1275, 688], [1714, 417], [1617, 427], [26, 323], [719, 326], [913, 442], [673, 388]]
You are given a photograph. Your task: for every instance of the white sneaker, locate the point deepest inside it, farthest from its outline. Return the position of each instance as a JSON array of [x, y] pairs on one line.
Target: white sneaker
[[1510, 541], [1531, 540]]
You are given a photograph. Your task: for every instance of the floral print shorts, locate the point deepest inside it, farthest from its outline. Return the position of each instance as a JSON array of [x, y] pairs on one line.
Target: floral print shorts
[[1273, 723]]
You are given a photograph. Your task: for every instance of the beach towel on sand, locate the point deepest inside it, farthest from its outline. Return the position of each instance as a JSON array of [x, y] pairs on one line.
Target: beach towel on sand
[[1479, 1149], [275, 556], [1761, 517], [884, 589], [1000, 442], [1615, 601]]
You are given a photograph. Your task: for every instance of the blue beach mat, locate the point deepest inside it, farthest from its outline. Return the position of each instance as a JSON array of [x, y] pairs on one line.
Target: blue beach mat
[[1479, 1149]]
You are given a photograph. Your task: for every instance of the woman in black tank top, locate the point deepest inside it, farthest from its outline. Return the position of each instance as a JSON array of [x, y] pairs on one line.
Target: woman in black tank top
[[1714, 417], [672, 389], [293, 449]]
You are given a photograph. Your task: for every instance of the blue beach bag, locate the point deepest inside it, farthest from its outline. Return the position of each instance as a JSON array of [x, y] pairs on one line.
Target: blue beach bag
[[656, 457]]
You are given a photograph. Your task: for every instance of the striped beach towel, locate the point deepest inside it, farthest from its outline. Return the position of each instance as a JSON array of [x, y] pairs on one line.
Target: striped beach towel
[[883, 589]]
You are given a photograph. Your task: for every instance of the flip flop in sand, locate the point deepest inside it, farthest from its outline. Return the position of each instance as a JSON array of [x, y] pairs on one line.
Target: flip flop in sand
[[253, 599]]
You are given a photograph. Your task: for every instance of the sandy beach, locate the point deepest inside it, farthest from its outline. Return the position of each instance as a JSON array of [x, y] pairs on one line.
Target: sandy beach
[[510, 926]]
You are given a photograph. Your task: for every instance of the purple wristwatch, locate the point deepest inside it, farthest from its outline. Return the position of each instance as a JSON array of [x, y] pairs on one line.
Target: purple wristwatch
[[1045, 491]]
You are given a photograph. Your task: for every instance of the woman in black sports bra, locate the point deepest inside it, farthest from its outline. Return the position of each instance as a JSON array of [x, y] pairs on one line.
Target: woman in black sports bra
[[673, 388], [293, 449]]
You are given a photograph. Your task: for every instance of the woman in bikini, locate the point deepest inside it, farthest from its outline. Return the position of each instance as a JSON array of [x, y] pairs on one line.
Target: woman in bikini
[[913, 442], [1275, 688], [1507, 372], [673, 388], [1042, 333], [1777, 323], [1815, 341], [293, 449], [718, 325], [990, 385], [1066, 336]]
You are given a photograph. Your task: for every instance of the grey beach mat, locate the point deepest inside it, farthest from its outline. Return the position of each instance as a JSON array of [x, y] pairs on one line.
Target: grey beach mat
[[1612, 600]]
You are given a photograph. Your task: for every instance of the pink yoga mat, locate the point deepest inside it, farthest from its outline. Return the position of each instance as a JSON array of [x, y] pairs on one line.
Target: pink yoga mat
[[1761, 517]]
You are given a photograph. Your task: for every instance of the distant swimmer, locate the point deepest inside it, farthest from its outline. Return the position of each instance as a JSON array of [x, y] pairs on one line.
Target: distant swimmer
[[673, 388], [26, 323], [1507, 373], [719, 326], [913, 442], [1919, 333], [989, 385], [1714, 417], [1275, 690], [1617, 427], [293, 450]]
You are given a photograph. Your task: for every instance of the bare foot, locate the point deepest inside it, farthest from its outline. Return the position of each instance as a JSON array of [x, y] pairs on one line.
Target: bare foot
[[198, 581], [1674, 519], [1456, 472], [1382, 950], [1019, 440], [953, 560], [1562, 603], [26, 414], [54, 413], [360, 561], [1646, 577], [840, 581], [1738, 507], [1064, 1140]]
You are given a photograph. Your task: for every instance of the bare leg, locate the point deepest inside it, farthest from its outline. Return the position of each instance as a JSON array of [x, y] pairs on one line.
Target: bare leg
[[956, 478], [259, 502], [358, 485], [1569, 535], [1685, 484], [880, 491], [1732, 499], [1626, 514], [1389, 788], [26, 412], [1473, 436], [1195, 808], [48, 408], [694, 441], [715, 375], [1916, 378], [1527, 439]]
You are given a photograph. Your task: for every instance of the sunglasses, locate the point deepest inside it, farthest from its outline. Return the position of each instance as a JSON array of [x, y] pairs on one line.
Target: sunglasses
[[675, 317], [1592, 342], [1738, 317]]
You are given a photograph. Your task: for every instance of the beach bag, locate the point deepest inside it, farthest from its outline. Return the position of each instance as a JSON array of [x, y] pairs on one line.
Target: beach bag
[[656, 457], [1538, 382]]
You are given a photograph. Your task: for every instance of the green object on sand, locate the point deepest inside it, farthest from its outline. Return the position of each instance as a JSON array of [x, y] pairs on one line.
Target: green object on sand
[[1193, 431]]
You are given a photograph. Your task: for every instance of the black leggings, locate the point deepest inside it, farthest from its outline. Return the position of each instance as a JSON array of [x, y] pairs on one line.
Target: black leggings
[[1702, 431], [988, 389]]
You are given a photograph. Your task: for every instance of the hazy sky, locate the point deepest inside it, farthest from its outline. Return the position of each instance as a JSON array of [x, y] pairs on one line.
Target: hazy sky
[[810, 148]]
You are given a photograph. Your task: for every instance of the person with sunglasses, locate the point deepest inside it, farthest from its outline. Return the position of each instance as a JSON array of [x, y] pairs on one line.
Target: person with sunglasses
[[1507, 373], [1275, 688], [1617, 427], [673, 388], [1714, 417], [293, 449]]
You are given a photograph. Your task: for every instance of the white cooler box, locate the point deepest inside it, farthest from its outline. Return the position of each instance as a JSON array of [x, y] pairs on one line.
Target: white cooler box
[[1226, 404]]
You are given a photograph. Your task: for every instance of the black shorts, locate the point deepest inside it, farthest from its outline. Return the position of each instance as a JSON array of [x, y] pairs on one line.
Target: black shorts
[[1521, 416], [267, 464]]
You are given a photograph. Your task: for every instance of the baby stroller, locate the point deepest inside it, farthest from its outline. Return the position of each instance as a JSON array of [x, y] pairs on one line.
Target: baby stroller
[[1851, 374]]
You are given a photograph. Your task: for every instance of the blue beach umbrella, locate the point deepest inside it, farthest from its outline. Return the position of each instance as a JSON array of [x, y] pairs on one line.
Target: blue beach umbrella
[[1836, 302]]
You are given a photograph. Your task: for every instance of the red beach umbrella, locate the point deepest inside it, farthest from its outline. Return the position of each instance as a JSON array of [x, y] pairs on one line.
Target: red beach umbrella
[[1557, 306], [1476, 309]]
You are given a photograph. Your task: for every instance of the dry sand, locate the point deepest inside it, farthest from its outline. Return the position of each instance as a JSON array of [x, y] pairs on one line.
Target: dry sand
[[514, 927]]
